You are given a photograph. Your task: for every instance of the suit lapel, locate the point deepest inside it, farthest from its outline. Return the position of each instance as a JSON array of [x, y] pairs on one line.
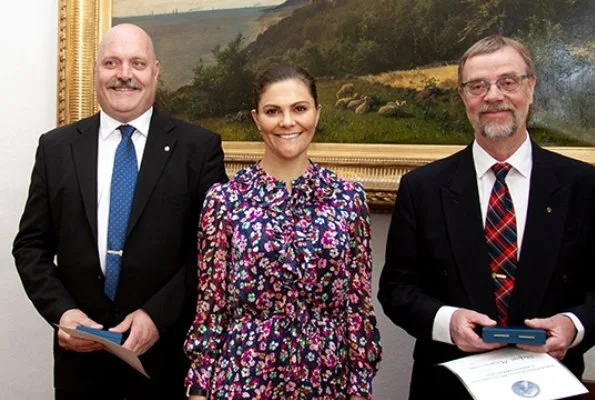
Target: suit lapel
[[159, 146], [84, 154], [460, 201], [546, 216]]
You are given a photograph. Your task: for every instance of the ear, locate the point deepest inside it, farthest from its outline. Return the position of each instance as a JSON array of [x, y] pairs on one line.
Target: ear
[[157, 69], [318, 109], [532, 81], [255, 118]]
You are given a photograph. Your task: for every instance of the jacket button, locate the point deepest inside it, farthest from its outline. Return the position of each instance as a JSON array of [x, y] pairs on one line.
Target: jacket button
[[564, 278]]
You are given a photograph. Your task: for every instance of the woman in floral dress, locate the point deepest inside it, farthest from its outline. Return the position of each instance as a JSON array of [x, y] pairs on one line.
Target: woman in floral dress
[[284, 307]]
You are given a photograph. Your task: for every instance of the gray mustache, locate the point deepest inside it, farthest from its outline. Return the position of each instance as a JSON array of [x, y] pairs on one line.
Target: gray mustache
[[121, 84], [496, 107]]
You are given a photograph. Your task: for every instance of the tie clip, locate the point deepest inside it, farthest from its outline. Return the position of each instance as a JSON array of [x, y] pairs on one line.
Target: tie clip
[[116, 252], [498, 276]]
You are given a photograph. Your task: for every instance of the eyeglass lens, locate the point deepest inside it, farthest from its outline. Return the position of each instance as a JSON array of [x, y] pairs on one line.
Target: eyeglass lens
[[505, 84]]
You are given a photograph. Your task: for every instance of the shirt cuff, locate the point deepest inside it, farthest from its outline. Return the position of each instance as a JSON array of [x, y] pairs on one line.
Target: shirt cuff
[[580, 329], [441, 326]]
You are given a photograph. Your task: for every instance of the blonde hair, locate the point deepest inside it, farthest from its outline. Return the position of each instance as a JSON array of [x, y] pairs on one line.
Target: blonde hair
[[494, 43]]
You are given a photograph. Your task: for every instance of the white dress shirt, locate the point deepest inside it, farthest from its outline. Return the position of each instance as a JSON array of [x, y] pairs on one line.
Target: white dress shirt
[[108, 140], [518, 181]]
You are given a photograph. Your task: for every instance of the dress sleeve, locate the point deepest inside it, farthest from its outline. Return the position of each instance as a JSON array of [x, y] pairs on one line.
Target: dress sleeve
[[204, 340], [363, 336]]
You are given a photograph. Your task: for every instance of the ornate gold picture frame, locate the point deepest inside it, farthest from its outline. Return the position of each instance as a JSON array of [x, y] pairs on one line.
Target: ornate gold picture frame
[[379, 167]]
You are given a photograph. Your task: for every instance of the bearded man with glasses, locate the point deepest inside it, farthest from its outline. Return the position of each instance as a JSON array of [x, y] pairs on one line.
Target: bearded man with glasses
[[500, 233]]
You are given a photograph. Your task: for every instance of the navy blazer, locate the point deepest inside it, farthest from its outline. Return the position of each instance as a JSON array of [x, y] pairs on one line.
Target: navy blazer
[[56, 247], [436, 252]]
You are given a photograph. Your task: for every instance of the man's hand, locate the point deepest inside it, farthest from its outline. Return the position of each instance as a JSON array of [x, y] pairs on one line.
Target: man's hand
[[143, 332], [462, 325], [71, 319], [560, 331]]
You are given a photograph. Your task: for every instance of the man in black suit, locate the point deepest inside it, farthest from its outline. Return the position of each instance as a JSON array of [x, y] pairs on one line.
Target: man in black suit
[[62, 244], [441, 276]]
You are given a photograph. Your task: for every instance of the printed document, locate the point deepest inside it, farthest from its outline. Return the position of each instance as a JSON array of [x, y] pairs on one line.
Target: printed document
[[514, 374]]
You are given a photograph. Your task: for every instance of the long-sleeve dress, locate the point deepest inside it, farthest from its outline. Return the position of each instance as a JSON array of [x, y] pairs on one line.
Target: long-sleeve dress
[[284, 308]]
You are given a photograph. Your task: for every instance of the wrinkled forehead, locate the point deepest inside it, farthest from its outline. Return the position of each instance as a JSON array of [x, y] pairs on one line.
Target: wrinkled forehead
[[492, 65]]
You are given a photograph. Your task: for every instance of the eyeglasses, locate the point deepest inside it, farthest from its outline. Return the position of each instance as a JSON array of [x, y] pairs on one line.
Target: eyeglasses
[[506, 84]]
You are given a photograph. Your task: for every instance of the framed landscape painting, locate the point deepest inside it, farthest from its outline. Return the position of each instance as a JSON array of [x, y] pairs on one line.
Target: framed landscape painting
[[385, 69]]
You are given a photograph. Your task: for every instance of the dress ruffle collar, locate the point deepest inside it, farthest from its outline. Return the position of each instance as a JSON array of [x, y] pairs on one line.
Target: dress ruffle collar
[[256, 185]]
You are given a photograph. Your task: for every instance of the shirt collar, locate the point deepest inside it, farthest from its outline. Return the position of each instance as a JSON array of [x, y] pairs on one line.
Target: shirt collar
[[107, 124], [521, 160]]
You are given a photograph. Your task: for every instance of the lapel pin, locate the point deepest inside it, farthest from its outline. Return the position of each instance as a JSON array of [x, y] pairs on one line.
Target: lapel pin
[[548, 209], [167, 148]]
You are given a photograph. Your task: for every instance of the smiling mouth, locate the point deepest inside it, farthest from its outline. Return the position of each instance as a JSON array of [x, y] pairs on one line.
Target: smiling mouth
[[288, 136], [123, 89]]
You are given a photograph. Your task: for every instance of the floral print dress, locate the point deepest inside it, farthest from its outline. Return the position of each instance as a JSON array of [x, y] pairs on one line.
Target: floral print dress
[[284, 308]]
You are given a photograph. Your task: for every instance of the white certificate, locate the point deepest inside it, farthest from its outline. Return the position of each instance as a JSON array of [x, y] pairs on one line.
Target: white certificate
[[123, 354], [514, 374]]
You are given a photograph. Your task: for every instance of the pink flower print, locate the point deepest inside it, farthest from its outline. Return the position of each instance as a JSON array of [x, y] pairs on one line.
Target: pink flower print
[[248, 357], [277, 271], [330, 359], [290, 387], [269, 246], [356, 323], [315, 377]]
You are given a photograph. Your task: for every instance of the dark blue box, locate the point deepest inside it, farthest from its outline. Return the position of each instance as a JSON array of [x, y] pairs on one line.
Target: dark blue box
[[513, 335]]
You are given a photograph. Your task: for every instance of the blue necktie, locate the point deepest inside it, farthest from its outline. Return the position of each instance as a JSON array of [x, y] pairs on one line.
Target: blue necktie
[[123, 184]]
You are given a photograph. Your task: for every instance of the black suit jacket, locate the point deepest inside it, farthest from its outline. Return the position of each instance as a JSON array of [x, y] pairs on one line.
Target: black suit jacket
[[56, 247], [436, 253]]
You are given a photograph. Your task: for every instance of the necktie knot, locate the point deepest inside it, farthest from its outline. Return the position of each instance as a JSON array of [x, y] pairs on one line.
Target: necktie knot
[[126, 131], [501, 170]]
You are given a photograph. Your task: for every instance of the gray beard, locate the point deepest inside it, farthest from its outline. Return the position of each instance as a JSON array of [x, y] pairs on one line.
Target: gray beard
[[496, 131]]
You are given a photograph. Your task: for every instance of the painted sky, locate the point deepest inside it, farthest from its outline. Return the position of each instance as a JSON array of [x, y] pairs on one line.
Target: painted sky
[[127, 8]]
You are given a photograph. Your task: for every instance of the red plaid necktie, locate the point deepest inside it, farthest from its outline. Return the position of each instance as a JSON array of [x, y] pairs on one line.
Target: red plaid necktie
[[501, 240]]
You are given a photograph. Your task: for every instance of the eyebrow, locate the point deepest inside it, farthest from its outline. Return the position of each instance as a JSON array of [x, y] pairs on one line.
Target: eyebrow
[[125, 57], [503, 75], [306, 102]]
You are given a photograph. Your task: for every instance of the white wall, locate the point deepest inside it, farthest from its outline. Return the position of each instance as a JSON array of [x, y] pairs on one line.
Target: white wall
[[28, 48], [28, 108], [392, 381]]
